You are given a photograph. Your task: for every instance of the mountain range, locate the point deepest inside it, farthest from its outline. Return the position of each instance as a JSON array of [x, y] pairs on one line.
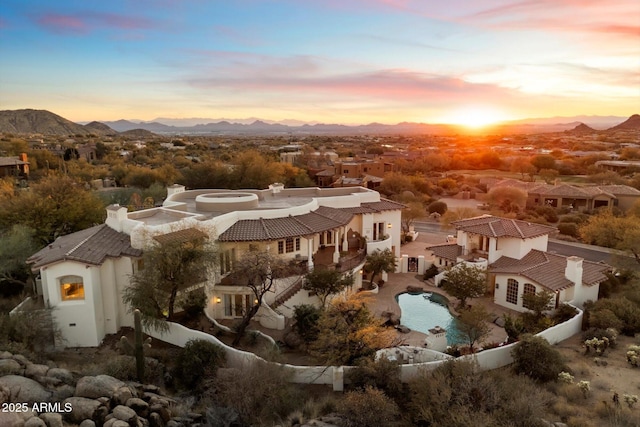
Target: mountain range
[[30, 121]]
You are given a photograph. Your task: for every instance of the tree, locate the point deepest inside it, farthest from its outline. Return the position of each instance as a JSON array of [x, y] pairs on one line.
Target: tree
[[507, 199], [543, 161], [438, 206], [16, 245], [473, 325], [522, 166], [465, 281], [413, 211], [324, 282], [608, 230], [168, 269], [259, 272], [534, 357], [538, 302], [453, 215], [549, 175], [53, 207], [348, 332], [380, 261]]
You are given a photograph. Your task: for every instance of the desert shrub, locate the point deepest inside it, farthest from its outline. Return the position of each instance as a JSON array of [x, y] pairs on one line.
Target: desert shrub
[[430, 272], [568, 229], [368, 408], [573, 218], [33, 331], [382, 374], [199, 358], [194, 303], [623, 309], [437, 206], [124, 368], [306, 318], [534, 357], [605, 318], [563, 313], [514, 327], [261, 395], [549, 213]]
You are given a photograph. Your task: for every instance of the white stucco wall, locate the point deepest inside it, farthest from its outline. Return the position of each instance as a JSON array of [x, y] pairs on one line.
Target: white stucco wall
[[500, 294], [517, 248]]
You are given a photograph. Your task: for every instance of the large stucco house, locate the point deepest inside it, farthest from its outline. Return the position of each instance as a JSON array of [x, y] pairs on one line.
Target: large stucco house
[[83, 274], [515, 255]]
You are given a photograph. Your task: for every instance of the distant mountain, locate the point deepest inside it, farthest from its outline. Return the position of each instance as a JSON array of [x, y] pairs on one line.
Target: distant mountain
[[596, 122], [582, 129], [137, 133], [39, 121], [100, 128], [632, 122]]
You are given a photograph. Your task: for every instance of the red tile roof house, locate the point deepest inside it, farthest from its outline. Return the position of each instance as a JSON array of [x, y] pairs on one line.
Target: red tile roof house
[[515, 253], [83, 274]]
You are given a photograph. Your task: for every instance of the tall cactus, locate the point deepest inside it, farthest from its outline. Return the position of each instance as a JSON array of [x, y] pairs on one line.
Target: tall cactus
[[138, 348]]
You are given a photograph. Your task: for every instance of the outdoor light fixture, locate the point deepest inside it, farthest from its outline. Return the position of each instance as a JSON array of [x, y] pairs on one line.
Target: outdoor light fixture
[[255, 301], [218, 300], [389, 225]]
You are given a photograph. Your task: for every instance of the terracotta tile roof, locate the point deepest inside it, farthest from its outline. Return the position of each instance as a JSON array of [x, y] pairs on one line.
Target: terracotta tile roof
[[11, 161], [492, 226], [359, 210], [322, 219], [548, 269], [384, 205], [449, 251], [181, 236], [89, 246], [620, 190]]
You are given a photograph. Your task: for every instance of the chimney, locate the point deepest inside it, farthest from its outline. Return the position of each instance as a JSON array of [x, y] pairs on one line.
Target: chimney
[[573, 271], [175, 188], [23, 157], [116, 215]]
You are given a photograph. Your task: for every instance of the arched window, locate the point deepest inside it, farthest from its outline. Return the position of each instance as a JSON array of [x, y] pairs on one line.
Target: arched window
[[529, 289], [71, 288], [512, 291]]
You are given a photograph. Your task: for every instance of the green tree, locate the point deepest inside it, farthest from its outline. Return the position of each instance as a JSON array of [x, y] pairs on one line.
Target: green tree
[[608, 230], [438, 206], [168, 268], [543, 161], [258, 271], [348, 332], [507, 199], [53, 207], [473, 325], [534, 357], [324, 282], [410, 214], [464, 281], [305, 324], [16, 245], [538, 303], [380, 261]]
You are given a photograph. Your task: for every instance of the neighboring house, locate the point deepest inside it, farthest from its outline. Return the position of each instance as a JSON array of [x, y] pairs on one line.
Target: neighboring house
[[83, 274], [515, 254], [587, 197], [17, 166]]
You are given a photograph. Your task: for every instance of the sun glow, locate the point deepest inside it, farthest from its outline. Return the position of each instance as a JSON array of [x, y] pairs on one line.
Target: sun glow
[[475, 117]]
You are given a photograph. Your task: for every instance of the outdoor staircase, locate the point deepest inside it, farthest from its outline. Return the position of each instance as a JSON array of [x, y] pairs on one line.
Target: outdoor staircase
[[287, 293]]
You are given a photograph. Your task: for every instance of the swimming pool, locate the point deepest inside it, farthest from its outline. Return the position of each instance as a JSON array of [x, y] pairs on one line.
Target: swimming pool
[[425, 310]]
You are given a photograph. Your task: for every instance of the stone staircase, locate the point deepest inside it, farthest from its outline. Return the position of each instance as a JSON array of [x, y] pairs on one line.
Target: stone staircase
[[287, 293]]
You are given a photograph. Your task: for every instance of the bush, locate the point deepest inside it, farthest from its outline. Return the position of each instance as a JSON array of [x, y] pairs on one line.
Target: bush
[[605, 318], [430, 272], [199, 358], [623, 309], [382, 374], [534, 357], [370, 407], [563, 313], [437, 206], [124, 368], [568, 229], [549, 213], [306, 318], [195, 303]]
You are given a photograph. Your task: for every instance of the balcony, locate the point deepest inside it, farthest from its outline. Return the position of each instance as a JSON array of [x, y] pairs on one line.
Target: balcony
[[323, 258]]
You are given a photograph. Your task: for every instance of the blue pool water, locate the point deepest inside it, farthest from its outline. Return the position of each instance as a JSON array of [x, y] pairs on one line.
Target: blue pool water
[[425, 310]]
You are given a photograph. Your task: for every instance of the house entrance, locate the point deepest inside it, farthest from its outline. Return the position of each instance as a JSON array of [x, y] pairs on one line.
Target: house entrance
[[413, 265]]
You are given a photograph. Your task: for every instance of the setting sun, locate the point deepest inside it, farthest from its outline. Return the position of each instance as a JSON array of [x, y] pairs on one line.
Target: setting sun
[[475, 117]]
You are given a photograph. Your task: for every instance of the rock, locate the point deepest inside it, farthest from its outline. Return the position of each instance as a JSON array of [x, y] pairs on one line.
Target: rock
[[52, 419], [49, 382], [125, 413], [155, 420], [151, 388], [403, 329], [84, 408], [35, 422], [5, 355], [87, 423], [162, 411], [61, 374], [63, 392], [11, 419], [140, 406], [21, 359], [98, 386], [114, 422], [9, 367], [25, 390], [34, 370], [499, 321], [174, 423], [122, 394]]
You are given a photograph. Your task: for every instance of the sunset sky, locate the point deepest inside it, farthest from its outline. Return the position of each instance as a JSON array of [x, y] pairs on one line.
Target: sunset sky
[[330, 61]]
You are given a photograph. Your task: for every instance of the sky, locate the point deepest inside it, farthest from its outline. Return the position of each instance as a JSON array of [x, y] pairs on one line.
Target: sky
[[329, 61]]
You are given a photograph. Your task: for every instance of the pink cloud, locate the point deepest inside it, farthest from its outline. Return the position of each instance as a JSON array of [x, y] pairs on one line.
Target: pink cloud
[[63, 23], [85, 22]]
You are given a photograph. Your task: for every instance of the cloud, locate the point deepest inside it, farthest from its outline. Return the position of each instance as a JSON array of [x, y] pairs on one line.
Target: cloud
[[86, 22]]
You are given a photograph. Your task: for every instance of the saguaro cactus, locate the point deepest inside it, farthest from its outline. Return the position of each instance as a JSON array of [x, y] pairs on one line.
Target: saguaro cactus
[[137, 349]]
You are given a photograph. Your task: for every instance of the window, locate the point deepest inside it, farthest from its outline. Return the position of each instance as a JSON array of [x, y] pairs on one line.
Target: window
[[227, 260], [512, 291], [289, 243], [280, 247], [71, 288], [529, 289], [297, 243], [236, 305]]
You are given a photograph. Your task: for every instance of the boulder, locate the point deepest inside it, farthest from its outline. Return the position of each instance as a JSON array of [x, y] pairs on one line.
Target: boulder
[[52, 419], [83, 408], [63, 392], [35, 422], [126, 414], [21, 359], [155, 420], [61, 374], [5, 355], [10, 367], [11, 419], [114, 422], [25, 390], [98, 386], [35, 370], [5, 394], [122, 394], [87, 423], [140, 406]]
